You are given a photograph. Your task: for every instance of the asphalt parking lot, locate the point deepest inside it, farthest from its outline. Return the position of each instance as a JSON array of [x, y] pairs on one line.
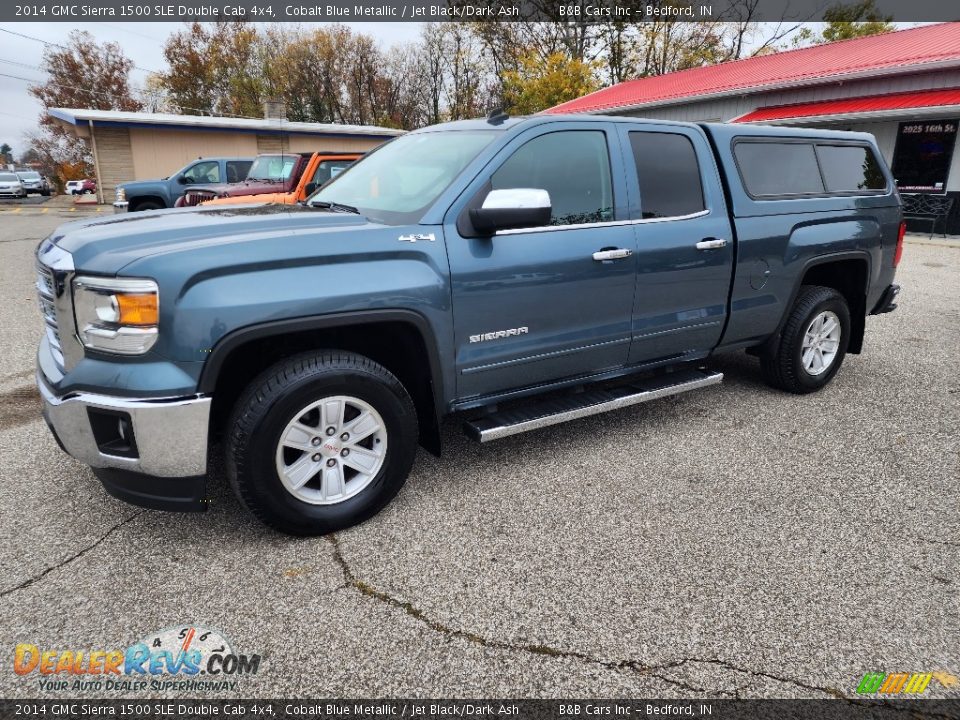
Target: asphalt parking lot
[[730, 542], [28, 201]]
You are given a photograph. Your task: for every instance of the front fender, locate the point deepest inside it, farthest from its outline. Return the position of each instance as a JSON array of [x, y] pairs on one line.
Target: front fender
[[154, 189], [357, 275]]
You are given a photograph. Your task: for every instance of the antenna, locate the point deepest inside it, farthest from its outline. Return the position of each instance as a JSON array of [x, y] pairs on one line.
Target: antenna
[[497, 116]]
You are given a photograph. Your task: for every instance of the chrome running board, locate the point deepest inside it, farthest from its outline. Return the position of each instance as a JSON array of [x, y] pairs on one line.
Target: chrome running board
[[543, 413]]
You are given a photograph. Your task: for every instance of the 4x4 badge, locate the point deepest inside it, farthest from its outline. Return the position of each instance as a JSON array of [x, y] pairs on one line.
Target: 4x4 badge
[[415, 238]]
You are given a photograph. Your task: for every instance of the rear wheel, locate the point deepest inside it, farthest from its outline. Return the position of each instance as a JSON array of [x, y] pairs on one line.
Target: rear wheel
[[320, 442], [813, 343]]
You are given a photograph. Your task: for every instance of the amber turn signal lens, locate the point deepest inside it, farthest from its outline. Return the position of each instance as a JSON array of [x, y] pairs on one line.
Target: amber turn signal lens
[[138, 308]]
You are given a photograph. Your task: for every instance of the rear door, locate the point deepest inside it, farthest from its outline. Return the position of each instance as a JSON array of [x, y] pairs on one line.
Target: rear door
[[684, 243], [539, 304]]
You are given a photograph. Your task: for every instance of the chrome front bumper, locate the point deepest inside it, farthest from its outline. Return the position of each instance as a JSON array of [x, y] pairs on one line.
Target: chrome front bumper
[[170, 434], [120, 206]]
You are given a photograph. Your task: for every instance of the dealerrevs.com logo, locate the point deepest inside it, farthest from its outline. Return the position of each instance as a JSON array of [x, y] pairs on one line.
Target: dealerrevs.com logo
[[179, 658]]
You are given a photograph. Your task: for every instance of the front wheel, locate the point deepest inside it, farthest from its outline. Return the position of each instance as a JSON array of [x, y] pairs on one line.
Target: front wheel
[[321, 442], [813, 343]]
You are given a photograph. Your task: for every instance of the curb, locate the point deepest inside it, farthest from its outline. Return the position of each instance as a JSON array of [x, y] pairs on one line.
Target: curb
[[34, 211]]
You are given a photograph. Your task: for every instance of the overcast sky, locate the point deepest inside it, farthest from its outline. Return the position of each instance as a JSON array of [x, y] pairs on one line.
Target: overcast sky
[[142, 43]]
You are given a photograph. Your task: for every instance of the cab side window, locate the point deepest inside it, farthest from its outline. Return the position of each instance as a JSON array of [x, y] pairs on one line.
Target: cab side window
[[668, 173], [204, 172], [573, 166]]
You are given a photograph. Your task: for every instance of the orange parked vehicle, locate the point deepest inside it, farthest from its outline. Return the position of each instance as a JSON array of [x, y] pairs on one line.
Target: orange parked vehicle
[[321, 168]]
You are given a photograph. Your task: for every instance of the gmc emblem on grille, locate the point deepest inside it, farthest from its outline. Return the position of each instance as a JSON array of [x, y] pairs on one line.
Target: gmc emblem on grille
[[499, 334]]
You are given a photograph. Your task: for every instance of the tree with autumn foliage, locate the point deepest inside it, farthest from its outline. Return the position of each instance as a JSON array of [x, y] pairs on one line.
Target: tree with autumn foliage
[[845, 22], [214, 69], [848, 21], [80, 74], [540, 84]]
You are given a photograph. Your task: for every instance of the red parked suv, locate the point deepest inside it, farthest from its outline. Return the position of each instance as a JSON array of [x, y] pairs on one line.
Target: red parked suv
[[81, 187]]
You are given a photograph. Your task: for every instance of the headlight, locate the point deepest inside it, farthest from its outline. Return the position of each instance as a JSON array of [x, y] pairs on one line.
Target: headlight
[[121, 194], [117, 315]]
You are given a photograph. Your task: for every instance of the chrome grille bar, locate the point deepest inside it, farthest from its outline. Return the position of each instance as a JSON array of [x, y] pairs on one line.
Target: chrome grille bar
[[47, 294]]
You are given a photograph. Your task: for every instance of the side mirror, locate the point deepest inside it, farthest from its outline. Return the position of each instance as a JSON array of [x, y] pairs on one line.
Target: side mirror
[[182, 179], [311, 188], [512, 208]]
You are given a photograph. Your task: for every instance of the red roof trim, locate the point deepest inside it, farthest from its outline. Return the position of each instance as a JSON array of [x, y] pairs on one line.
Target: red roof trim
[[895, 53], [851, 106]]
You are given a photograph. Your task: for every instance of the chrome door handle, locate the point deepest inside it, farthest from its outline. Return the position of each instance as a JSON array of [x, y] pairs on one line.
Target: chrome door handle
[[711, 244], [612, 254]]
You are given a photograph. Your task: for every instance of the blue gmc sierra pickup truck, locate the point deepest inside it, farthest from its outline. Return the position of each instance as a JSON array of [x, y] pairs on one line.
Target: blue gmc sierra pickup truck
[[518, 272]]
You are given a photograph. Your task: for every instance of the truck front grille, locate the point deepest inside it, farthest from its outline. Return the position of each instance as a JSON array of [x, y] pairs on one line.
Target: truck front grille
[[195, 197], [47, 294]]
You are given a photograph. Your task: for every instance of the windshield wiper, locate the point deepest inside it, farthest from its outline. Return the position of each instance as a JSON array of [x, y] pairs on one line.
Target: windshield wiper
[[335, 206]]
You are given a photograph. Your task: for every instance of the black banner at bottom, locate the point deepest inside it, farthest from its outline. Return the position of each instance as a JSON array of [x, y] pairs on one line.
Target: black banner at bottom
[[430, 709]]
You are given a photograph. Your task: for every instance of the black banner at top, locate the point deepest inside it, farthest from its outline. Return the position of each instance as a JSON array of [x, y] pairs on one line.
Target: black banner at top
[[577, 11]]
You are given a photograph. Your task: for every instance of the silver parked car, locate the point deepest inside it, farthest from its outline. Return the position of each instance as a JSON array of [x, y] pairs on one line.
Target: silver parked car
[[32, 181], [10, 185]]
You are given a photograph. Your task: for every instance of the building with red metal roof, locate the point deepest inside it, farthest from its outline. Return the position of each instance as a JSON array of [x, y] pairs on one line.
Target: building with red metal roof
[[903, 86]]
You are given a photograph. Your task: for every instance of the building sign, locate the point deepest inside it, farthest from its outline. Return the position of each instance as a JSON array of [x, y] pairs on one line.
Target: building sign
[[921, 161]]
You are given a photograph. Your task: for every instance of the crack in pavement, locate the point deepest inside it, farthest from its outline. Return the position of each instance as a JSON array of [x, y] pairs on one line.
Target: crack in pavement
[[367, 590], [66, 561], [949, 543]]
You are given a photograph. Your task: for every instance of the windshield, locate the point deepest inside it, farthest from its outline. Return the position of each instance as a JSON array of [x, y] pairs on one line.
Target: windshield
[[7, 177], [272, 167], [398, 182], [29, 175]]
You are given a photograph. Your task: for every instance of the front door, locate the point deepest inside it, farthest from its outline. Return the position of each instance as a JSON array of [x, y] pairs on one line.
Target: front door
[[540, 304], [684, 244]]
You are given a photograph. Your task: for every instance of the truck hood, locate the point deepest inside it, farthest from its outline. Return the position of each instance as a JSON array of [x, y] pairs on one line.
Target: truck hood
[[105, 246], [247, 187], [285, 198]]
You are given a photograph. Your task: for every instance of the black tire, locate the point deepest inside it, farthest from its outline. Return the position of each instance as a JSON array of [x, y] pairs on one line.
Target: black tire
[[148, 205], [783, 367], [274, 398]]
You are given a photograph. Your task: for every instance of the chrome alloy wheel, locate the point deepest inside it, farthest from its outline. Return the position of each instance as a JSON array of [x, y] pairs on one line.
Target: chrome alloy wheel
[[331, 450], [820, 343]]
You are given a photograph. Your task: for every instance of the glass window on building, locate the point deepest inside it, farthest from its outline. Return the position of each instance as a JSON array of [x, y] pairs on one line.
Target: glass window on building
[[921, 160]]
